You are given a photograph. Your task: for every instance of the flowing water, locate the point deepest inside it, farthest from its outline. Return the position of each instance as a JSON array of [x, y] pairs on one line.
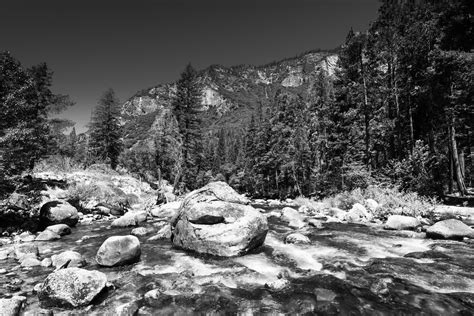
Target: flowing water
[[346, 270]]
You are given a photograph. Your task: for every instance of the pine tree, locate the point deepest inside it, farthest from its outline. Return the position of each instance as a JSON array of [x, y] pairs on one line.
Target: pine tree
[[25, 101], [105, 130], [186, 108]]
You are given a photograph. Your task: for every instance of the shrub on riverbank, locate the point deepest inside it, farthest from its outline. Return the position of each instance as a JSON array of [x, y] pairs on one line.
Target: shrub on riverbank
[[390, 201]]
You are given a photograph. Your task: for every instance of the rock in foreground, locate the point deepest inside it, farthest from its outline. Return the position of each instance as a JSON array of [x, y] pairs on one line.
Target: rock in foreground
[[450, 229], [215, 220], [12, 306], [119, 250], [58, 212], [401, 222], [71, 287]]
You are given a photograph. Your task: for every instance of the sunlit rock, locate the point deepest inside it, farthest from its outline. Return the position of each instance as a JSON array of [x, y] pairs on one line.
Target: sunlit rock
[[119, 250], [71, 287], [216, 220], [450, 229], [71, 258], [401, 222], [12, 306], [292, 217]]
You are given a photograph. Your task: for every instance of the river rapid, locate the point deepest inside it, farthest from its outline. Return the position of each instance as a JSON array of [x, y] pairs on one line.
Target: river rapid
[[348, 269]]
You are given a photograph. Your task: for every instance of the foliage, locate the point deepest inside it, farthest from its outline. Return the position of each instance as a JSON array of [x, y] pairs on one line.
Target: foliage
[[26, 99], [105, 130], [186, 106]]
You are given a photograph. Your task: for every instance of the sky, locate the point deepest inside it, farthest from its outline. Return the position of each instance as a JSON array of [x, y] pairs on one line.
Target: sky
[[93, 45]]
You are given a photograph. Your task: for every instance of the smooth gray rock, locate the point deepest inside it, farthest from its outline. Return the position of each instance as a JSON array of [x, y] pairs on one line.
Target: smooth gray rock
[[47, 235], [119, 250], [75, 259], [60, 229], [401, 222], [450, 229]]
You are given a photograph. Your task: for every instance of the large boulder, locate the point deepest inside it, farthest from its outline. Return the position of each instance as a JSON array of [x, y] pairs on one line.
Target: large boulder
[[58, 212], [133, 218], [72, 258], [450, 229], [71, 287], [119, 250], [11, 306], [401, 222], [166, 211], [216, 220]]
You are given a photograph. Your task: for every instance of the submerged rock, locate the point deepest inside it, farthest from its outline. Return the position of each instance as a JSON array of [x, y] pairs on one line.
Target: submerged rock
[[216, 220], [450, 229], [71, 287], [297, 238], [401, 222], [58, 212], [11, 306], [47, 235], [25, 250], [60, 229], [30, 262], [119, 250]]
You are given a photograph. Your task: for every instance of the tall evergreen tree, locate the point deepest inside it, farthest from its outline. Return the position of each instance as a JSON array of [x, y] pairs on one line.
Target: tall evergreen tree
[[186, 108], [26, 100], [105, 130]]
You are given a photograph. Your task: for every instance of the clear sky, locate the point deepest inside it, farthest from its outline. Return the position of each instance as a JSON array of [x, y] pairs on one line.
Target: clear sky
[[92, 45]]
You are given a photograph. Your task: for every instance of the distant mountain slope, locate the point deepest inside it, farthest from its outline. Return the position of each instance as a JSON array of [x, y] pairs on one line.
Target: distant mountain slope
[[229, 95]]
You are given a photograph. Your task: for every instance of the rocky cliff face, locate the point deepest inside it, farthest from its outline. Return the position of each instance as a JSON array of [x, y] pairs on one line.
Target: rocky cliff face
[[229, 95]]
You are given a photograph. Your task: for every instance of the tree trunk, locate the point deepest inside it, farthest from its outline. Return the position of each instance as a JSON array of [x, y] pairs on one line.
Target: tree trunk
[[454, 154], [412, 133], [366, 115]]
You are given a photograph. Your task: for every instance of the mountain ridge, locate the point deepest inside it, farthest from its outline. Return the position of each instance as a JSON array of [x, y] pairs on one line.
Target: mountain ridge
[[229, 94]]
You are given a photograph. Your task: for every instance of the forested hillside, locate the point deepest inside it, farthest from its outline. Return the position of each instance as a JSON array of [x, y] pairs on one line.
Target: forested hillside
[[393, 106]]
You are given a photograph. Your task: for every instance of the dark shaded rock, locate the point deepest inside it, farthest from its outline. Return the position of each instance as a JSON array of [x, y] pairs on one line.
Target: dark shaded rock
[[430, 254], [58, 212]]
